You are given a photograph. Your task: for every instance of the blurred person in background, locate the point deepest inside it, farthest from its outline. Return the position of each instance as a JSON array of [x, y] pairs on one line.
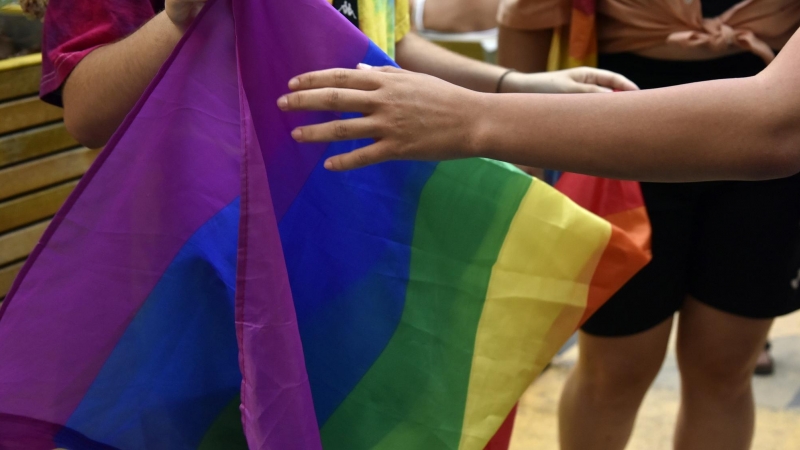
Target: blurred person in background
[[721, 250], [454, 16]]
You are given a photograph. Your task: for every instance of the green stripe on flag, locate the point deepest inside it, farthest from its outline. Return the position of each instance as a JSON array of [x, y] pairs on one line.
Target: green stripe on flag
[[414, 395], [226, 433]]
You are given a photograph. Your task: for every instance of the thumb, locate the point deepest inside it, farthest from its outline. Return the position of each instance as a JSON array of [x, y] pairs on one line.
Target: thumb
[[385, 69]]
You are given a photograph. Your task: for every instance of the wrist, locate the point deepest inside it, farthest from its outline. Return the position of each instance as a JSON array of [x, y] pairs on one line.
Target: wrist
[[518, 82], [480, 126], [502, 81], [180, 24], [175, 29]]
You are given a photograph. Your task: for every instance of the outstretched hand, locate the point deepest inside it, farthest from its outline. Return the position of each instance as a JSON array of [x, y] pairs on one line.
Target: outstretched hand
[[409, 115], [578, 80]]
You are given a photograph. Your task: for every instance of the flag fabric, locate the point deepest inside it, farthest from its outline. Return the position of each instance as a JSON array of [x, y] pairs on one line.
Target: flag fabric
[[575, 45], [210, 285], [621, 203]]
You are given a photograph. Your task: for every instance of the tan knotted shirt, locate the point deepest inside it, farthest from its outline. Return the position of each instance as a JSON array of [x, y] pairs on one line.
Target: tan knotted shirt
[[757, 26]]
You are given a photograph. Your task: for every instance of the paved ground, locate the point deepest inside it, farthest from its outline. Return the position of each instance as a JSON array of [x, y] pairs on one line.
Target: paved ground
[[777, 399]]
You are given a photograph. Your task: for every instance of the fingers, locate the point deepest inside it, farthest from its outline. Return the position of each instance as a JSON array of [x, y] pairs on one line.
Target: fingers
[[384, 69], [365, 80], [371, 154], [329, 99], [338, 130], [610, 80]]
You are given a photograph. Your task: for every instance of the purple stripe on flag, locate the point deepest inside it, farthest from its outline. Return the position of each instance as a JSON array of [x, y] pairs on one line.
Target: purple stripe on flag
[[295, 37], [161, 178], [277, 409]]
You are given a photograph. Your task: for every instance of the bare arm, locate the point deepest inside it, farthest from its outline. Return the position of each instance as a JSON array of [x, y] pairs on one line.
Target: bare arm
[[526, 51], [418, 55], [746, 128], [727, 129], [523, 50], [107, 83]]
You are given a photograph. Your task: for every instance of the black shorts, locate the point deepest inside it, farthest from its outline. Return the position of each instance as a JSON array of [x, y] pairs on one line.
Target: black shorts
[[728, 244]]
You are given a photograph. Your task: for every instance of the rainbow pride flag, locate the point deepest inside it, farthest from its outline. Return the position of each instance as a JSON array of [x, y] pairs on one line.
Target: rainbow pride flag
[[210, 286], [575, 45]]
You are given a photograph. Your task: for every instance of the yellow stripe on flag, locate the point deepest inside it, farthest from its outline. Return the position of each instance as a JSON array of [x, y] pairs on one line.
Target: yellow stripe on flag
[[552, 248]]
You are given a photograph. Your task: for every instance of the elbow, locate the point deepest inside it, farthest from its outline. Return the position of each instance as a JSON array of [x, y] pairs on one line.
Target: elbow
[[780, 156], [783, 159], [773, 165], [87, 132], [774, 128]]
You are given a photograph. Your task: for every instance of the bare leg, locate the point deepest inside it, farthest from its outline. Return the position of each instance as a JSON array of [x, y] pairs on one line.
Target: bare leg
[[717, 354], [603, 393]]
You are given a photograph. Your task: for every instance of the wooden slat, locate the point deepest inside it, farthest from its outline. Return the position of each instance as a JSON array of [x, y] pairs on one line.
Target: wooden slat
[[7, 275], [39, 141], [26, 112], [11, 10], [44, 172], [19, 82], [34, 59], [17, 245], [34, 207]]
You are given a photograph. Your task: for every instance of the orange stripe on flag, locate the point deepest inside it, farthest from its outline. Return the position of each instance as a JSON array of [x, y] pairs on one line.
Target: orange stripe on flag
[[622, 258], [635, 223], [582, 42]]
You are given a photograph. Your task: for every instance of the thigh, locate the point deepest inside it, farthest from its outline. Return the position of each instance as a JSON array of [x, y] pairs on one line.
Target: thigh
[[657, 291], [628, 361], [746, 238], [717, 344]]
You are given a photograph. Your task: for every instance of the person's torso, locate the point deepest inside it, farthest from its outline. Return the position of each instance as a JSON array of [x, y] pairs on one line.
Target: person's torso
[[649, 72]]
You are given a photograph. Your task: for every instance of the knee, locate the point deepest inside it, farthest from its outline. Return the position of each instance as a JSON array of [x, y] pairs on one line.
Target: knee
[[615, 379], [721, 375]]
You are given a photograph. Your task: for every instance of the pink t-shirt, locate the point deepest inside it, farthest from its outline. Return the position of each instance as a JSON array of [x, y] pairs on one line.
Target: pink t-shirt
[[73, 28]]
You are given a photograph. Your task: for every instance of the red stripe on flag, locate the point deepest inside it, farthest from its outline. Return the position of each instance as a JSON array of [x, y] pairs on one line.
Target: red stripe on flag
[[502, 439]]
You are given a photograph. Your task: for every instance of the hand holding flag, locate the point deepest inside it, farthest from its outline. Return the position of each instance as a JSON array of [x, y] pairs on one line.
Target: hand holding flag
[[409, 115]]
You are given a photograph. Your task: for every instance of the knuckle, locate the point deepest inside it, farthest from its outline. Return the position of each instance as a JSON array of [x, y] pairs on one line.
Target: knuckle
[[361, 158], [295, 100], [340, 130], [306, 80], [339, 77], [332, 97]]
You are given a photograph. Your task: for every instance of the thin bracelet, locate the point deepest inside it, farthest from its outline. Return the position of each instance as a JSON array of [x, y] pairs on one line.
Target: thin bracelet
[[502, 77]]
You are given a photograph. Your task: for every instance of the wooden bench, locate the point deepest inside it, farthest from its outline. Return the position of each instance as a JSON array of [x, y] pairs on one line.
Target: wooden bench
[[40, 164]]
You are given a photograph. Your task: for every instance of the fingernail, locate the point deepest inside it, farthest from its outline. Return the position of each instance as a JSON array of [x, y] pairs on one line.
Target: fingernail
[[283, 102], [364, 66], [328, 164], [294, 83], [297, 134]]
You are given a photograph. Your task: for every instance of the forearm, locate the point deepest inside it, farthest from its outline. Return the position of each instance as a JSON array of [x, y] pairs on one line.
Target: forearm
[[524, 50], [728, 129], [418, 55], [107, 83]]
